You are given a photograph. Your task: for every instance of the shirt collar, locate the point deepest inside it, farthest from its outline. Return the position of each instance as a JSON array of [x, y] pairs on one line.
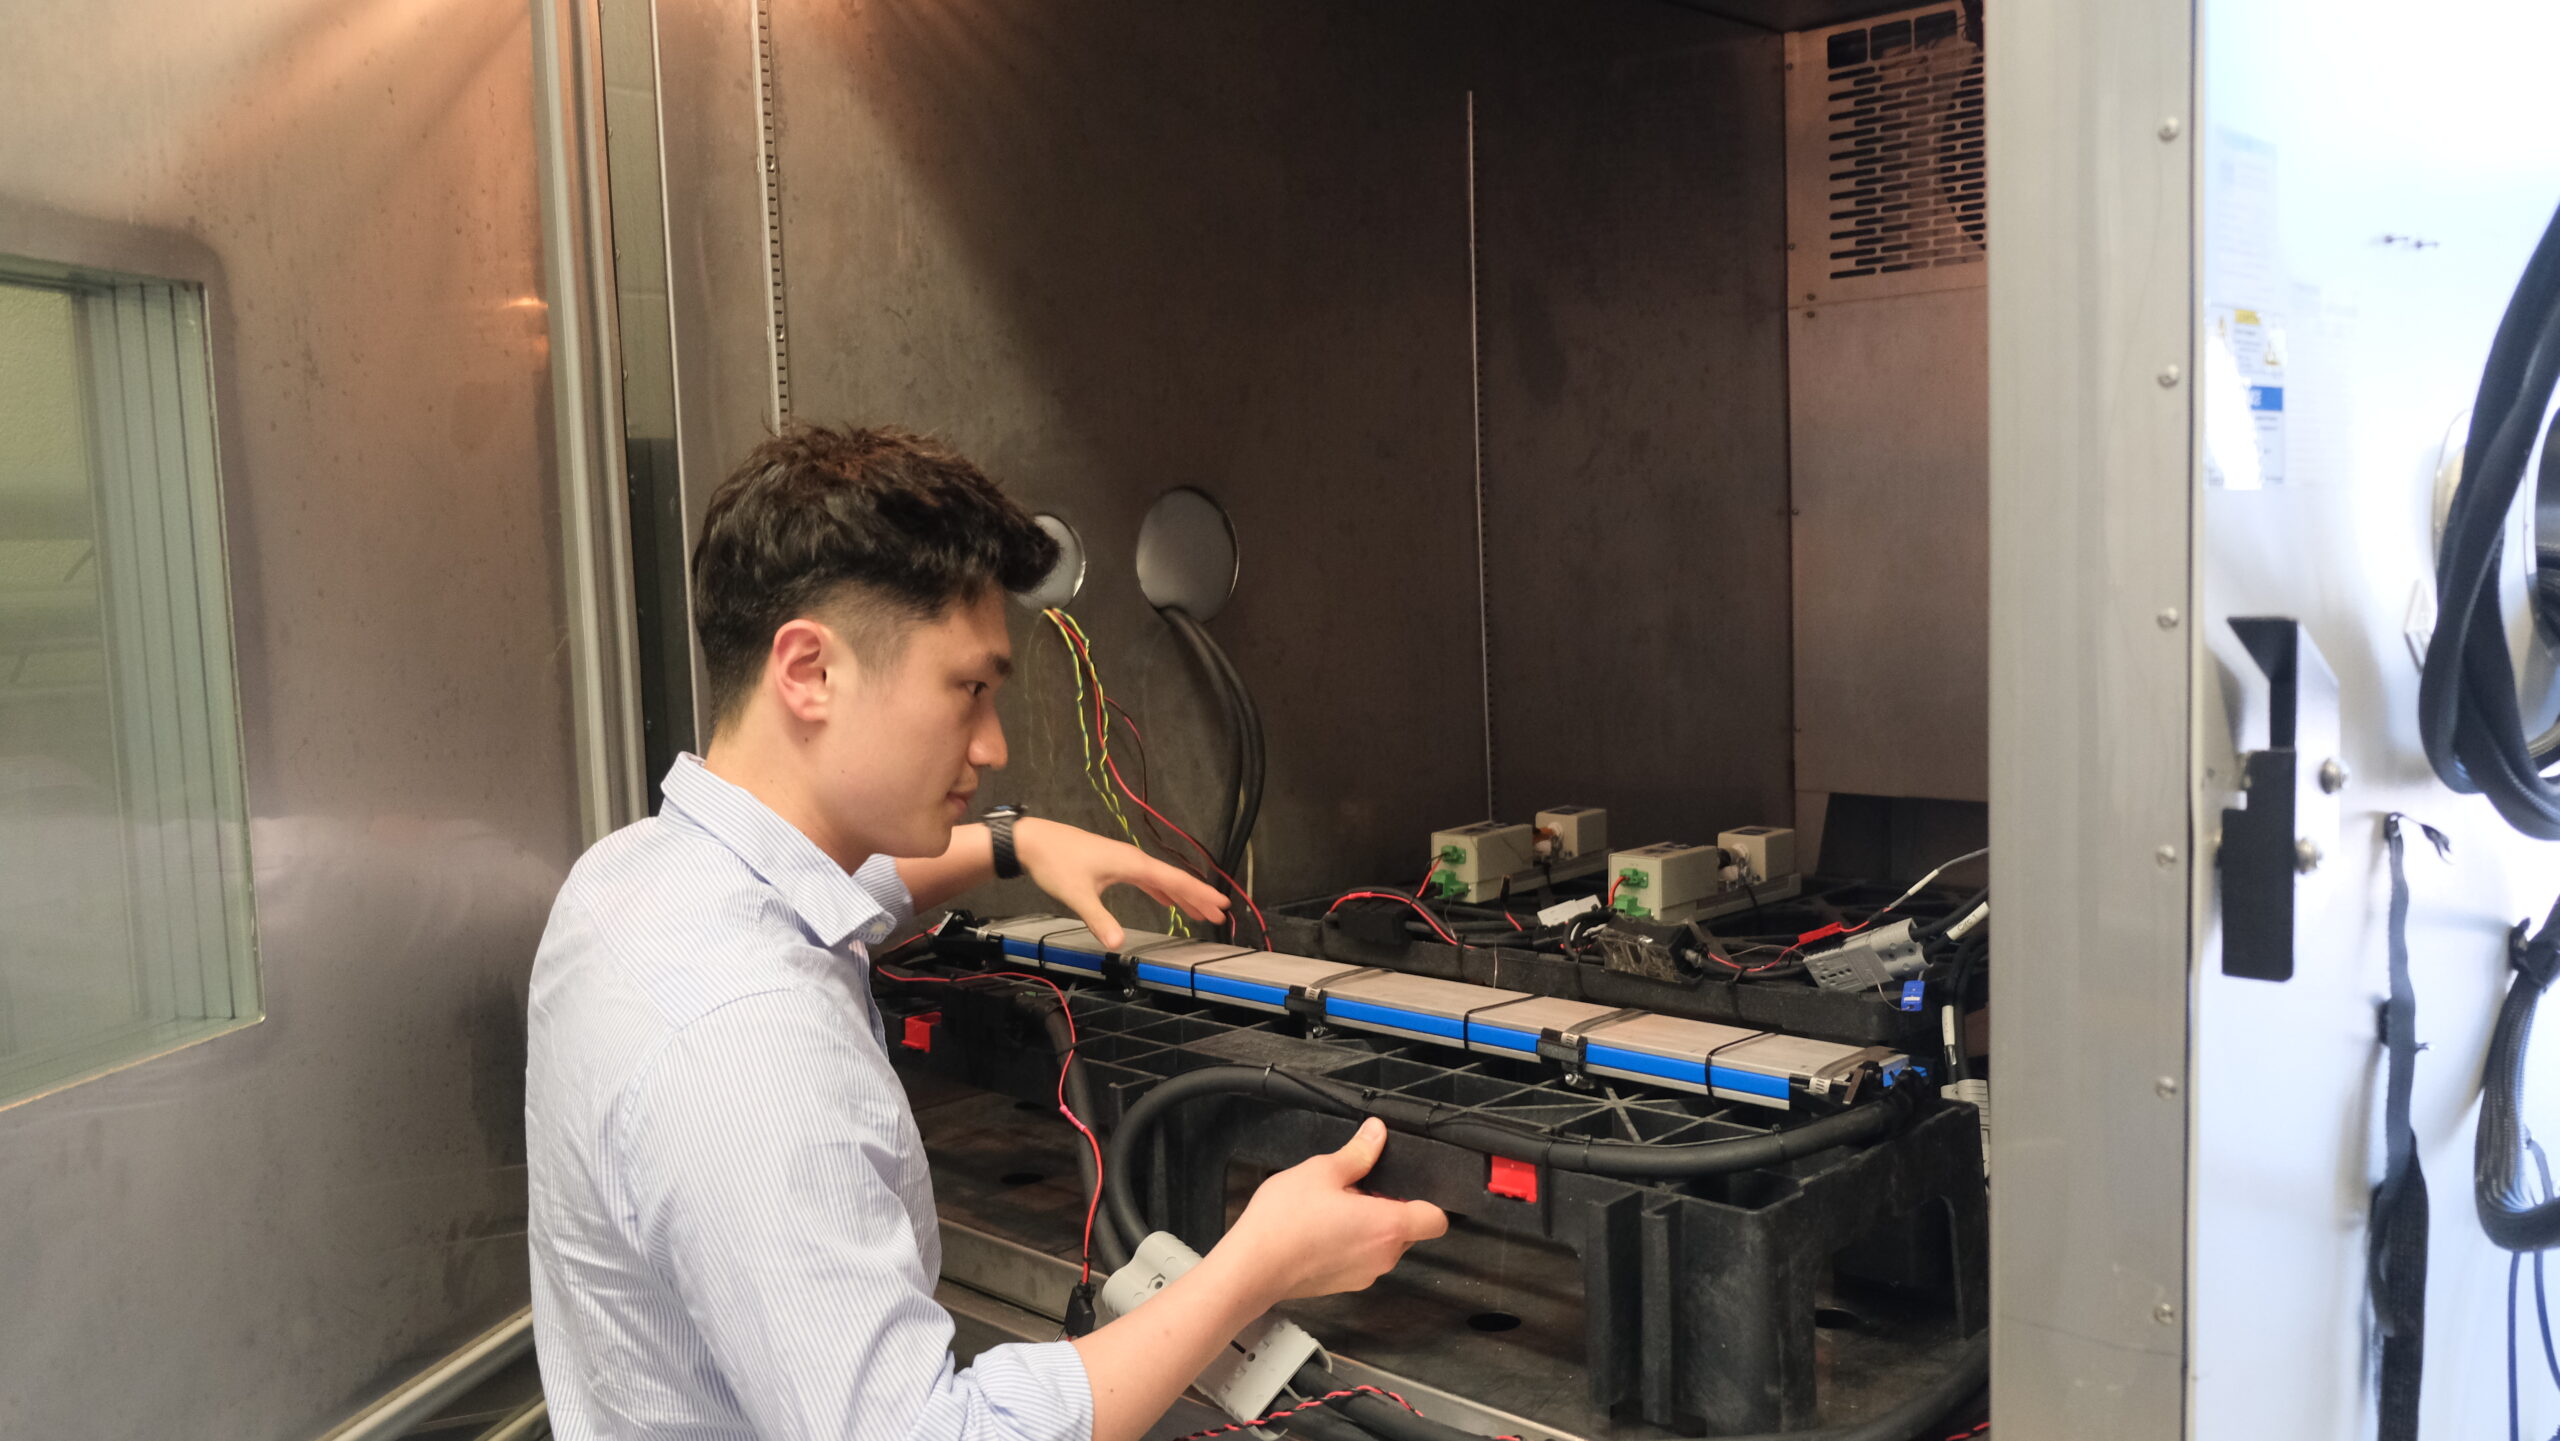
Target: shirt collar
[[829, 901]]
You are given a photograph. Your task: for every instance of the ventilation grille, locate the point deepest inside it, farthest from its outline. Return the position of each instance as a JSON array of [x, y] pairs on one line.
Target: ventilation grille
[[1903, 147]]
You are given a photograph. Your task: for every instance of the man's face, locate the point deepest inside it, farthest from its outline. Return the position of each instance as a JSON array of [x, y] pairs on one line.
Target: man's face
[[897, 762]]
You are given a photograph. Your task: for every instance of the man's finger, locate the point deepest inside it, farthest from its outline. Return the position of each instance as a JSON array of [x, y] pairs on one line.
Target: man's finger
[[1177, 887], [1088, 908], [1196, 902], [1165, 897], [1424, 1221], [1361, 1152]]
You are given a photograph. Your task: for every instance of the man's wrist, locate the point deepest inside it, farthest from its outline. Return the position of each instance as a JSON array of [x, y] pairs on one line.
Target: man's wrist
[[1246, 1272]]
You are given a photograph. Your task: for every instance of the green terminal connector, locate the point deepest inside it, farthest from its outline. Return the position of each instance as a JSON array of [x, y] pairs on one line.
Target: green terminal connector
[[1630, 882], [1451, 888]]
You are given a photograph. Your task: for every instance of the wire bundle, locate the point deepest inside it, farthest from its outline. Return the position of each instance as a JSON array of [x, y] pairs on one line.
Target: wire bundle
[[2468, 715], [1080, 648]]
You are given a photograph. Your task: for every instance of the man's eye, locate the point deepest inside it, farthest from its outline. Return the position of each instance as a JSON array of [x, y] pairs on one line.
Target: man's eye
[[977, 688]]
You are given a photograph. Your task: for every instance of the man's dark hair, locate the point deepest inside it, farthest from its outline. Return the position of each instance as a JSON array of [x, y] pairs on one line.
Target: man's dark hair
[[871, 530]]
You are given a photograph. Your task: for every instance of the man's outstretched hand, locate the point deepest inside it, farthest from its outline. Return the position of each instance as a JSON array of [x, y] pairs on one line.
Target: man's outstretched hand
[[1075, 867]]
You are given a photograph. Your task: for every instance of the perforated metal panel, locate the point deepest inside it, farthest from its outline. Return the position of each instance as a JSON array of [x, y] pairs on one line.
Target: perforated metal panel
[[1885, 178]]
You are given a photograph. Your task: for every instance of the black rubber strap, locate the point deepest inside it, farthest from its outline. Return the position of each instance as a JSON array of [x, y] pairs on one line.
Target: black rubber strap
[[2396, 1255], [1000, 832]]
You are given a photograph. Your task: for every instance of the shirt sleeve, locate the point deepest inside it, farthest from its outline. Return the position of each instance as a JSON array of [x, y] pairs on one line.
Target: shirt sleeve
[[879, 876], [763, 1147]]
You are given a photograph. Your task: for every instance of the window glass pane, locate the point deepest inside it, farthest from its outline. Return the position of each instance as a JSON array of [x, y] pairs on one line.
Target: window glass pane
[[125, 925]]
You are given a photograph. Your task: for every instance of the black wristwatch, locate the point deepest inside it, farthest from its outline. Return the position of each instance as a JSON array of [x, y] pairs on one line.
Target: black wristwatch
[[1000, 830]]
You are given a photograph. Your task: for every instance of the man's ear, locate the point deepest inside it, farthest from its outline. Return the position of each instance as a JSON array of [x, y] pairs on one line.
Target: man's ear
[[806, 670]]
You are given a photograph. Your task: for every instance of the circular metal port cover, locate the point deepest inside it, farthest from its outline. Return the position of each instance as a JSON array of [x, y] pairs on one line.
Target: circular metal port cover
[[1064, 578], [1187, 553]]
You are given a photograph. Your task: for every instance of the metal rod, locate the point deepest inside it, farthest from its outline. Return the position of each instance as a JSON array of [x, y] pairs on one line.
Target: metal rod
[[534, 1420], [586, 390], [769, 158], [435, 1388], [1475, 388]]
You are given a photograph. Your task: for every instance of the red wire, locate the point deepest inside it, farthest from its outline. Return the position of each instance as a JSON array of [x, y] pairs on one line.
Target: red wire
[[1330, 1396], [1095, 1202], [1428, 918], [1426, 878], [1172, 853], [1753, 970]]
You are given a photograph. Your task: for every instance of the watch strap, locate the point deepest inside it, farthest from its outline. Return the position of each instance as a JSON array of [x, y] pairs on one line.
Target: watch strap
[[1000, 831]]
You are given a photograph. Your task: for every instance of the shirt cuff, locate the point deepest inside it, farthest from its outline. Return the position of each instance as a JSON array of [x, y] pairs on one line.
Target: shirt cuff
[[879, 876], [1040, 1388]]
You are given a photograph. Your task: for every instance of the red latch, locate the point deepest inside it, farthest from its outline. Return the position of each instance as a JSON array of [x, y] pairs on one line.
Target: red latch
[[919, 1035], [1516, 1179], [1809, 937]]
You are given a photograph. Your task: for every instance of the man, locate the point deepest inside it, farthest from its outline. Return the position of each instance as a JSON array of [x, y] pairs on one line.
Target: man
[[732, 1224]]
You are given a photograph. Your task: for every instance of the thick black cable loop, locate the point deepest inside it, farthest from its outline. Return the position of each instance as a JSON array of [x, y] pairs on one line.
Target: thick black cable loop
[[1244, 724], [2468, 716], [1625, 1160]]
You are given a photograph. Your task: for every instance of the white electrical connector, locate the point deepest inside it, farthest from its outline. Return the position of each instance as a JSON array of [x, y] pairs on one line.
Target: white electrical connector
[[1973, 918], [1247, 1377], [1977, 1093], [1563, 911]]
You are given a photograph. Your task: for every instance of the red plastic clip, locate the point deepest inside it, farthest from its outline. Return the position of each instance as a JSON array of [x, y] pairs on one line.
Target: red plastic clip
[[1516, 1179], [919, 1036]]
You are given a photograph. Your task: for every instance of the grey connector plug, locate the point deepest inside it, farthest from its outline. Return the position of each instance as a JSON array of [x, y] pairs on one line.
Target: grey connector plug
[[1246, 1378], [1868, 960]]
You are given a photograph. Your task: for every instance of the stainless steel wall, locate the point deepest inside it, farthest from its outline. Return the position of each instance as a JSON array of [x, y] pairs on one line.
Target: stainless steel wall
[[2091, 644], [1114, 248], [1632, 168], [250, 1237]]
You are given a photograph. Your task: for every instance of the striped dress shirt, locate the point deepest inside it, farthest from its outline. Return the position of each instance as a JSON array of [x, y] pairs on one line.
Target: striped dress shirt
[[732, 1225]]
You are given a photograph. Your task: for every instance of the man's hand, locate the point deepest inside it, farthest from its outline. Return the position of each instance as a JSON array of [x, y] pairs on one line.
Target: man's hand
[[1306, 1233], [1310, 1233], [1076, 867]]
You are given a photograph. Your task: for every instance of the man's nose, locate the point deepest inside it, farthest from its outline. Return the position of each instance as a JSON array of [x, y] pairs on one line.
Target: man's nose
[[986, 748]]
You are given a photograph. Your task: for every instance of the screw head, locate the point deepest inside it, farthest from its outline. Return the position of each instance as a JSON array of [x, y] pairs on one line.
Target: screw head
[[2168, 376], [2165, 1087], [2169, 127], [2165, 1314], [2306, 855], [2166, 855], [2167, 618], [2333, 775]]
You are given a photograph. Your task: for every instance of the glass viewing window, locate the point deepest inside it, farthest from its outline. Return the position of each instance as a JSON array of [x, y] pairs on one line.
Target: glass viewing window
[[125, 920]]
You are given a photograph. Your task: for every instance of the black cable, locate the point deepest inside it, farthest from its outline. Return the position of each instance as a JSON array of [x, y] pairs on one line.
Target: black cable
[[1388, 1421], [2514, 1220], [1197, 640], [1625, 1160], [2541, 1296], [1257, 752], [2468, 714], [1108, 1247], [1971, 954], [1244, 721], [1931, 930]]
